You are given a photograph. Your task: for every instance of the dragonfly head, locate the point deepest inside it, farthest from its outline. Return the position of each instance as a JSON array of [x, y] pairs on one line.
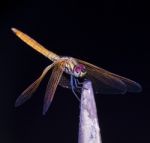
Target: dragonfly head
[[79, 70]]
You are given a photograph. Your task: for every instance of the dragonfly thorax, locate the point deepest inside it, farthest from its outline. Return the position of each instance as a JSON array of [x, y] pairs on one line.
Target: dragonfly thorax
[[74, 68]]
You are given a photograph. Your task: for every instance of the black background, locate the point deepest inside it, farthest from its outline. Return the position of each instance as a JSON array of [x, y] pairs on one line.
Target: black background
[[110, 34]]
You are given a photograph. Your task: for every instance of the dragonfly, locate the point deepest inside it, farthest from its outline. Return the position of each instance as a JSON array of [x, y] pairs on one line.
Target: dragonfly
[[67, 72]]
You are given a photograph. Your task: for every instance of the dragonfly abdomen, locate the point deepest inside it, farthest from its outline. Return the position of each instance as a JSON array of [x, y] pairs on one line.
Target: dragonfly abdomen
[[35, 45], [52, 56]]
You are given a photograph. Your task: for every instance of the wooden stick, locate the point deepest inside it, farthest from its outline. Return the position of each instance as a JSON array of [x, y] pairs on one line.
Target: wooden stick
[[89, 131]]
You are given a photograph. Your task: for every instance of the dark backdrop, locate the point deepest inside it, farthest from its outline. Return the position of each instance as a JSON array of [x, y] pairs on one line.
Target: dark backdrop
[[110, 34]]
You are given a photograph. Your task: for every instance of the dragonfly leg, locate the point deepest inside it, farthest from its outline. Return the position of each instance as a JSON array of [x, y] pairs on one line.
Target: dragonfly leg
[[72, 80], [77, 84]]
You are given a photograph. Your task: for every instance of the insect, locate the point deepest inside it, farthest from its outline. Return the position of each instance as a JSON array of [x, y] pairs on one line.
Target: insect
[[103, 81]]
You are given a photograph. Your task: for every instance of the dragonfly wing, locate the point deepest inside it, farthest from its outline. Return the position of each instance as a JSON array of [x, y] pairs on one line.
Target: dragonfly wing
[[52, 85], [106, 82], [26, 94], [132, 86]]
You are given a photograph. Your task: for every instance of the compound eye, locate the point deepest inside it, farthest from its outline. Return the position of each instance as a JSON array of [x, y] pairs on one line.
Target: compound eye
[[77, 69], [83, 69]]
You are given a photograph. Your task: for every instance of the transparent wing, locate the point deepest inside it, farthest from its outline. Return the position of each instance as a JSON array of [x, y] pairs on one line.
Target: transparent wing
[[52, 85], [108, 83], [26, 94], [132, 86]]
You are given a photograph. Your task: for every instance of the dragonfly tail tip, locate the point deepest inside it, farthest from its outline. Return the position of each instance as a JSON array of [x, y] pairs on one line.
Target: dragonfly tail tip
[[14, 29]]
